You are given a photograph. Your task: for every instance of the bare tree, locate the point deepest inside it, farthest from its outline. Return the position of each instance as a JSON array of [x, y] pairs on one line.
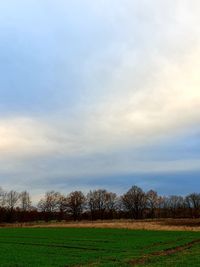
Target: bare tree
[[111, 202], [75, 202], [2, 197], [134, 202], [162, 206], [12, 199], [175, 203], [50, 202], [99, 201], [193, 203], [152, 199], [11, 202], [62, 203], [25, 201]]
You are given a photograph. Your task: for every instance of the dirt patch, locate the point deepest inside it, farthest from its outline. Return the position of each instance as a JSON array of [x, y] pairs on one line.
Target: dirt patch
[[164, 252]]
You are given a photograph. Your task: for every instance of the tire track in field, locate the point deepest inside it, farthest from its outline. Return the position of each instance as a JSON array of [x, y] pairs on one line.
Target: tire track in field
[[55, 246], [165, 252], [24, 237], [157, 244]]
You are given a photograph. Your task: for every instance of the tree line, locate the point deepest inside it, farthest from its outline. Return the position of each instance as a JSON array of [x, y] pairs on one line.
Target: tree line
[[96, 204]]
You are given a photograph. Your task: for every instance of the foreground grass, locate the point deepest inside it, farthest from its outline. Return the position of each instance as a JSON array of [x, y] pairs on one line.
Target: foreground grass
[[59, 247]]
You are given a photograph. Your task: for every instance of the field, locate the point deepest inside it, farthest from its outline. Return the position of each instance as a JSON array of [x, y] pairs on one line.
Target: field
[[162, 224], [45, 247]]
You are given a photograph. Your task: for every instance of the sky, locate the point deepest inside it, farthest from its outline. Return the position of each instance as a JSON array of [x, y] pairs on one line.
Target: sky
[[100, 94]]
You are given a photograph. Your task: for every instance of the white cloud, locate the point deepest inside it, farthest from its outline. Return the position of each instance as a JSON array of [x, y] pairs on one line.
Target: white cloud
[[142, 86], [151, 86]]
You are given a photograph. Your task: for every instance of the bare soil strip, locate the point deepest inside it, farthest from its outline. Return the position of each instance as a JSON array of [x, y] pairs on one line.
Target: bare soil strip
[[164, 252], [163, 224]]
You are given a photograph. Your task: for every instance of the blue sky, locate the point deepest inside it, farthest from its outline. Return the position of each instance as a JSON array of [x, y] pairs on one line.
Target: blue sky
[[100, 94]]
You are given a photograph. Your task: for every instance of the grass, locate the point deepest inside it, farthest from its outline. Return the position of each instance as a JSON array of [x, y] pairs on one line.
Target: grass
[[154, 224], [59, 247]]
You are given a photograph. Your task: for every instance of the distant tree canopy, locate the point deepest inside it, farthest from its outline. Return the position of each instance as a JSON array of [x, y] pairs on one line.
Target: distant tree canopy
[[96, 204]]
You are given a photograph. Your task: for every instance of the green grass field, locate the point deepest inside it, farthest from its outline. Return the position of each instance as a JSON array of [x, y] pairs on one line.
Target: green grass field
[[97, 247]]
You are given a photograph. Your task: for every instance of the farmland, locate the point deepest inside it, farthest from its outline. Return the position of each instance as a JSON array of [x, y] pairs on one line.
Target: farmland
[[45, 247]]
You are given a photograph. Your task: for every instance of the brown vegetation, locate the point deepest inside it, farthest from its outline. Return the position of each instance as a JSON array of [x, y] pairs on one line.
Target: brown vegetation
[[164, 224]]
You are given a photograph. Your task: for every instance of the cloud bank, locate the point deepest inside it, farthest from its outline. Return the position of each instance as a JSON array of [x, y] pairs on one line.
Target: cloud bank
[[110, 87]]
